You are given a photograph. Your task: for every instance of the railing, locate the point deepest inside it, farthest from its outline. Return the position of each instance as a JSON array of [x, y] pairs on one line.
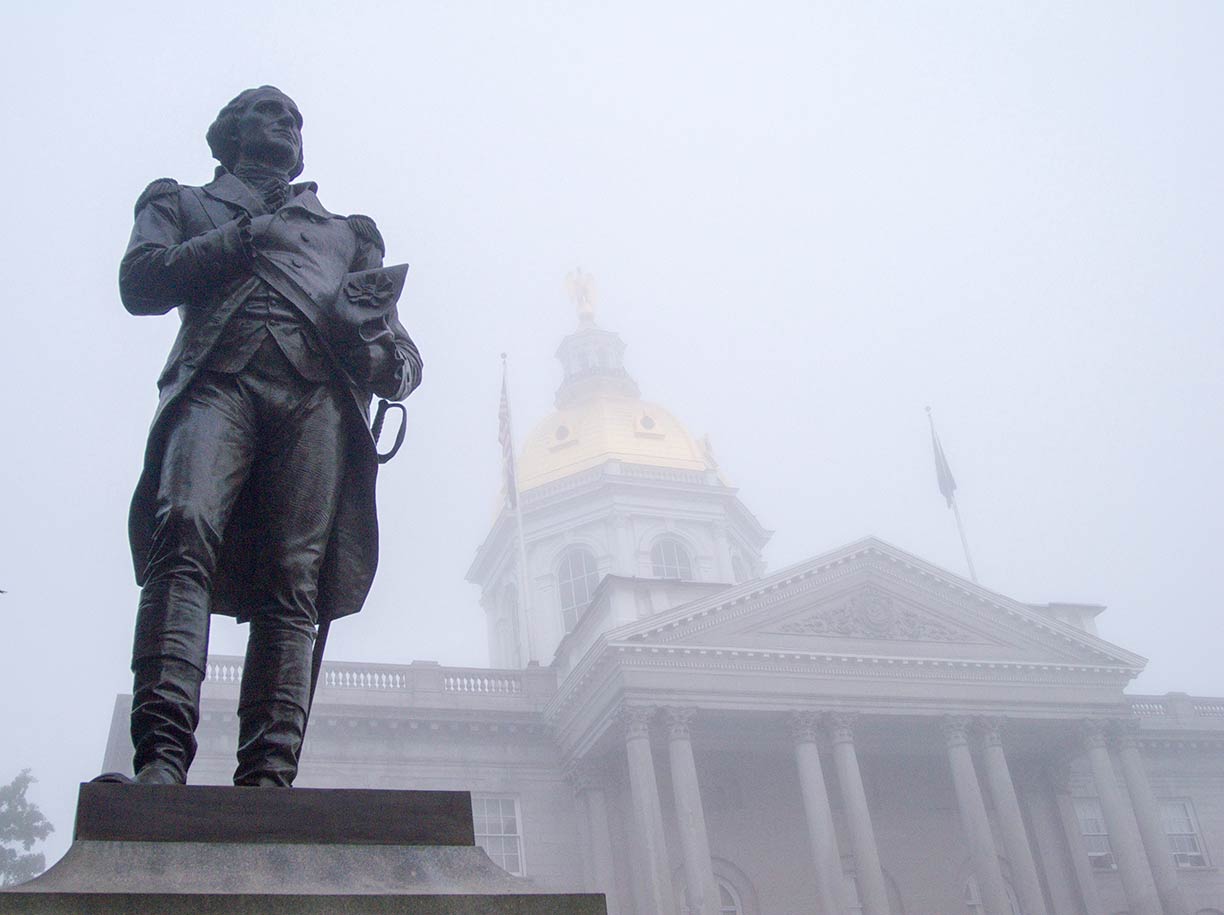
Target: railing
[[1149, 708], [223, 670], [483, 684], [418, 678], [354, 676], [1190, 711]]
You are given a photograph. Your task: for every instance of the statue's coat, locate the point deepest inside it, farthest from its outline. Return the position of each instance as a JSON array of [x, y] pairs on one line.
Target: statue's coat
[[184, 241]]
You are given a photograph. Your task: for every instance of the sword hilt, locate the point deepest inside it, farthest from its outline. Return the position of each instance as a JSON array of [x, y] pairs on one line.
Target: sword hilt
[[376, 427]]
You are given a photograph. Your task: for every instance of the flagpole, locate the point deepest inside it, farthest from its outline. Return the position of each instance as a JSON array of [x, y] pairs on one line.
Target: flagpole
[[960, 526], [947, 486], [516, 503]]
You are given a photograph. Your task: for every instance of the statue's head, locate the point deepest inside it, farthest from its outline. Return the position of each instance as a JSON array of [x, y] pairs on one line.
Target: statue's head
[[261, 125]]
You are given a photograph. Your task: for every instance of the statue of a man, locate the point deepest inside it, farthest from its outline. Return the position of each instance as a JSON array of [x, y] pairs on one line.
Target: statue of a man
[[257, 495]]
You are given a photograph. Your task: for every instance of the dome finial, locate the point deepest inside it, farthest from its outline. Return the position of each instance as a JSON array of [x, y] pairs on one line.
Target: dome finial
[[581, 288]]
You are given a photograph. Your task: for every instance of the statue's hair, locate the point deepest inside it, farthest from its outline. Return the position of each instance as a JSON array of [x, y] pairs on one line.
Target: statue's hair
[[223, 134]]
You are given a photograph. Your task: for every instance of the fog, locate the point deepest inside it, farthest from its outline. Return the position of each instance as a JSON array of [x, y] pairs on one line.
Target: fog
[[807, 221]]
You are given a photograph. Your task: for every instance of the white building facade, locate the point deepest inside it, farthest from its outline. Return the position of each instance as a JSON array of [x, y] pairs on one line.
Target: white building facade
[[668, 723]]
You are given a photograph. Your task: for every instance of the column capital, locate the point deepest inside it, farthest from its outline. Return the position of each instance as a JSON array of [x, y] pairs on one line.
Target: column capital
[[678, 720], [956, 730], [841, 726], [1093, 731], [636, 720], [990, 730], [805, 726]]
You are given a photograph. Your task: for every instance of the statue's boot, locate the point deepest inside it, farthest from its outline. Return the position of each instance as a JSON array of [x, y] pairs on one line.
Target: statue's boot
[[272, 704], [165, 712], [269, 744]]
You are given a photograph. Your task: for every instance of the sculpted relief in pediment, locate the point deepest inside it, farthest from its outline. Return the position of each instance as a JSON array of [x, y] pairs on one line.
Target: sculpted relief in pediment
[[873, 614]]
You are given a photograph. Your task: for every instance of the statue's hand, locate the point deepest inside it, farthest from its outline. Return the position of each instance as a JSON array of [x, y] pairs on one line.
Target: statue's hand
[[260, 224]]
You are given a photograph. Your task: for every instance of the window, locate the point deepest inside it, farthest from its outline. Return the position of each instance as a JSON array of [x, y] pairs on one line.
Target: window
[[728, 900], [497, 831], [577, 578], [1096, 836], [1181, 826], [669, 559]]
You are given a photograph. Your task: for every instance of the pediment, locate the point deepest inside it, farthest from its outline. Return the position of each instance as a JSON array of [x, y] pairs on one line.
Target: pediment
[[873, 614], [873, 600]]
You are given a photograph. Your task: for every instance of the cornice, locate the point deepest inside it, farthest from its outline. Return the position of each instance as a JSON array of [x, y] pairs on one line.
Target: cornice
[[606, 654], [864, 666]]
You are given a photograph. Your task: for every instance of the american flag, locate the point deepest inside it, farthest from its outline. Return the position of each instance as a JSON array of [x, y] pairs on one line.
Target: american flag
[[507, 444], [943, 473]]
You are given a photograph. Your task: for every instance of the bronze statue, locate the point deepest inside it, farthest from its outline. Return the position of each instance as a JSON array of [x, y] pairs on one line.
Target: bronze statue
[[257, 495]]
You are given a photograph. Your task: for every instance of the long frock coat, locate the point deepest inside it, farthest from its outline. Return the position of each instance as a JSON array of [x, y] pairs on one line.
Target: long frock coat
[[194, 249]]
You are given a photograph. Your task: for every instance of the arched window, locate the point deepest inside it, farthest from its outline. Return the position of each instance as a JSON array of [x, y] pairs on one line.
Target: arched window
[[577, 577], [669, 559], [728, 900]]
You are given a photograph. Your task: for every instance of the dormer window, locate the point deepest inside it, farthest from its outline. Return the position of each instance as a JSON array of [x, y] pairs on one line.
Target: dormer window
[[669, 559]]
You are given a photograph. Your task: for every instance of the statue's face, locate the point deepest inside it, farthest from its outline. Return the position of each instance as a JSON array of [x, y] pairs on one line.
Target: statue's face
[[270, 131]]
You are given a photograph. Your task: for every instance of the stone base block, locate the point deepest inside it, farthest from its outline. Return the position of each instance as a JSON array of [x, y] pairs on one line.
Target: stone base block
[[166, 850]]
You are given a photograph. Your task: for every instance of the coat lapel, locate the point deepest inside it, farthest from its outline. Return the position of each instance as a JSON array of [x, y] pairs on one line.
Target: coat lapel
[[234, 191], [304, 197]]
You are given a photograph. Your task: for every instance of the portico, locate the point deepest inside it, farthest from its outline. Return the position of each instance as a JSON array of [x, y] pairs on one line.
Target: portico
[[862, 750], [917, 806]]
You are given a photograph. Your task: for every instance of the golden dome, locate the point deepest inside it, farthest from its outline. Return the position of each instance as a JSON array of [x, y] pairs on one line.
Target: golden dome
[[604, 428], [600, 416]]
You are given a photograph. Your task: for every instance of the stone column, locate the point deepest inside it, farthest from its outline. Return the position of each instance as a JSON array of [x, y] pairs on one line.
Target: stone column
[[654, 869], [1054, 864], [701, 892], [1123, 835], [830, 883], [1151, 827], [1058, 776], [1011, 822], [873, 891], [974, 819], [590, 791]]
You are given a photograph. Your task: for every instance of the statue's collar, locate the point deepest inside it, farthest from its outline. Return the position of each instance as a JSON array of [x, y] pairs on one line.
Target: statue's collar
[[233, 190]]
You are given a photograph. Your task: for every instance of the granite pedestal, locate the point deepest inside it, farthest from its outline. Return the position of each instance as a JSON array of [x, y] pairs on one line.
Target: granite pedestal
[[180, 850]]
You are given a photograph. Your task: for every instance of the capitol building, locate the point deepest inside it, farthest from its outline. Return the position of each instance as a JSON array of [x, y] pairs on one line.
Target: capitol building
[[668, 722]]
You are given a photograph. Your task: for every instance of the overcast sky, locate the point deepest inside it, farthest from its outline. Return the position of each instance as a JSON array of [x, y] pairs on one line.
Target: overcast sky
[[807, 220]]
